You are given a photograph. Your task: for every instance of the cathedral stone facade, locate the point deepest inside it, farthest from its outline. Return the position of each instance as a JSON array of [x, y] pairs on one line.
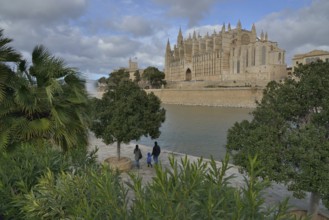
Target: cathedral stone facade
[[231, 56]]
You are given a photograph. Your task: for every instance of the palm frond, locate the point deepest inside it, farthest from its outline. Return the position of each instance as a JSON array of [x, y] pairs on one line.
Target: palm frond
[[27, 100], [7, 53], [40, 55], [52, 88], [37, 128], [61, 115], [7, 107], [4, 138]]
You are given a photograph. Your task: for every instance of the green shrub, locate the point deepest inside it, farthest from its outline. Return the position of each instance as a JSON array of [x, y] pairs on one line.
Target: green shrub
[[200, 190], [46, 184], [94, 194], [21, 169]]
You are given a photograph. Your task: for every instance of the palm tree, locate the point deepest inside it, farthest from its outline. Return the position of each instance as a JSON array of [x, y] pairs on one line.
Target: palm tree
[[46, 102], [7, 55]]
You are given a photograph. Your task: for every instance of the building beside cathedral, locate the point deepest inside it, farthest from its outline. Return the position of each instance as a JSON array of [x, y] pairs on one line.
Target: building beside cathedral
[[229, 57], [310, 57]]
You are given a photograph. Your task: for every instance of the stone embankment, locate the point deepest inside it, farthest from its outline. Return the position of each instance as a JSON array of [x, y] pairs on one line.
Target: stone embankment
[[244, 97], [225, 97]]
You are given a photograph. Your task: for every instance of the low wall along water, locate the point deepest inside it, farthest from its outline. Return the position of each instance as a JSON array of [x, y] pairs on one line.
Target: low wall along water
[[226, 97]]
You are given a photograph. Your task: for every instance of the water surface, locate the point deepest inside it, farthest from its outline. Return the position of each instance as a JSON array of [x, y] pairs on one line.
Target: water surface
[[197, 130]]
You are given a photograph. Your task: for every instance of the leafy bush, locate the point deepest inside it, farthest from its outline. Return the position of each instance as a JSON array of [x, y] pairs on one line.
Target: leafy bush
[[46, 184], [21, 169], [200, 190], [89, 195]]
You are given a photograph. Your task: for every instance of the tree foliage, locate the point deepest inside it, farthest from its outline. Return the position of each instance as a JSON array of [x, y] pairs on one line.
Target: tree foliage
[[43, 102], [126, 113], [154, 77], [289, 132], [7, 55], [116, 77], [137, 76], [102, 80]]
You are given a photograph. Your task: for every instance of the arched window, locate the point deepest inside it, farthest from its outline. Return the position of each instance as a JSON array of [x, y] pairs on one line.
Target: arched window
[[247, 57], [263, 55], [253, 57], [238, 67]]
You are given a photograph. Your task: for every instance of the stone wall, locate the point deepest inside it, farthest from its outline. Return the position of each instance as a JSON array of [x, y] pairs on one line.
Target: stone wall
[[228, 97]]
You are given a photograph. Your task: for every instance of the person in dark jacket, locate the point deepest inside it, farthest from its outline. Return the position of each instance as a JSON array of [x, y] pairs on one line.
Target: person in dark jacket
[[156, 152], [138, 155]]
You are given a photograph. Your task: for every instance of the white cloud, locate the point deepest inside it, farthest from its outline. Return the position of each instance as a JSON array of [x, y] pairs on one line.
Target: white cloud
[[192, 10], [136, 25], [42, 11], [299, 31]]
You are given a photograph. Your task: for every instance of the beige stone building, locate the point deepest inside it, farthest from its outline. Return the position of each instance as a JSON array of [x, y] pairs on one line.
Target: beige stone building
[[229, 57], [132, 68], [309, 57]]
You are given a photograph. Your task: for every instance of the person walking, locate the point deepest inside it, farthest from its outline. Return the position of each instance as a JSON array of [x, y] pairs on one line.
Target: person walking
[[156, 152], [138, 155], [149, 159]]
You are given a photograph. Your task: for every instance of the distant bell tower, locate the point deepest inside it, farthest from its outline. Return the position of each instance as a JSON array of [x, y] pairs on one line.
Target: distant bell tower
[[133, 66]]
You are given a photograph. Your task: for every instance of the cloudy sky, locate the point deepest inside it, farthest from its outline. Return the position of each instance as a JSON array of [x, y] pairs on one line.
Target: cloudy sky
[[97, 36]]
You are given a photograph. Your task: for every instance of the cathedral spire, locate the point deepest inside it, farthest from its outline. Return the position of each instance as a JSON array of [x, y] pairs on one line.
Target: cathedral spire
[[262, 36], [223, 28], [168, 55], [180, 32], [168, 46], [266, 36], [239, 25], [194, 35], [180, 38], [229, 26], [253, 29], [253, 33]]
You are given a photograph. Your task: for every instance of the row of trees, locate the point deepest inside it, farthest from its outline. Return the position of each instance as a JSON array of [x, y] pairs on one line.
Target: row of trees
[[151, 77]]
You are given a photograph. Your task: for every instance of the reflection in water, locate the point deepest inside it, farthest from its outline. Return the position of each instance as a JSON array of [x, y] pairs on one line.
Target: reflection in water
[[197, 130]]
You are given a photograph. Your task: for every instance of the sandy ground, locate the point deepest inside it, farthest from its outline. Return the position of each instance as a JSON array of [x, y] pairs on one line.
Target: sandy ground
[[272, 195]]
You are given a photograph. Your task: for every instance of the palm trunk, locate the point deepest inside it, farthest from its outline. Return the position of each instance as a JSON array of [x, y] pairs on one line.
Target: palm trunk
[[314, 204], [118, 149]]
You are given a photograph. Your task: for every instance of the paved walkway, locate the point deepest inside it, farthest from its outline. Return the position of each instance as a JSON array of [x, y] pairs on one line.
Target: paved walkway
[[272, 195]]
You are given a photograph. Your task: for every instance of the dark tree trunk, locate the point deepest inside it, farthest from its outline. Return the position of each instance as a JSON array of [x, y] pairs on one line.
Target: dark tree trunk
[[314, 204], [118, 149]]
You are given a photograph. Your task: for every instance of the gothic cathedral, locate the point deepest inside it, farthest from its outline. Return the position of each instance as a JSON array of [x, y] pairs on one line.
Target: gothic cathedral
[[232, 55]]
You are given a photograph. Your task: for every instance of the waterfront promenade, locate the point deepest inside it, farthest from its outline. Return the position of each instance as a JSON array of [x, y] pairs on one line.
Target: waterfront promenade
[[272, 195]]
